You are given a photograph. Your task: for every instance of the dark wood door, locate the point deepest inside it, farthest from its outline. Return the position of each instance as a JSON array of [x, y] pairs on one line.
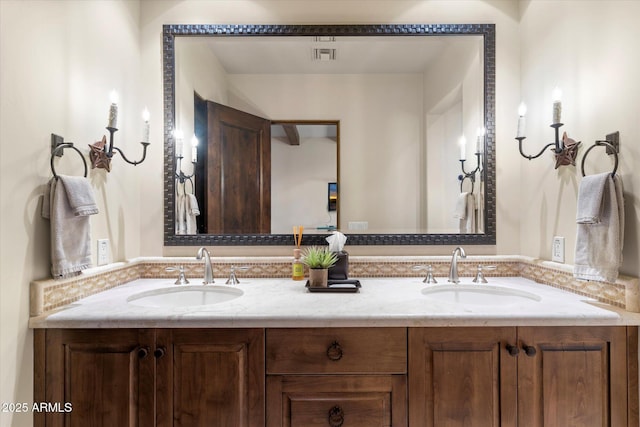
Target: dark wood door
[[573, 377], [106, 376], [461, 377], [238, 171], [210, 377], [325, 400]]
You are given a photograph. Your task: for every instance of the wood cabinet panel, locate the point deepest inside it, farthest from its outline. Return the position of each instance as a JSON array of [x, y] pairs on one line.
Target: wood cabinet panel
[[355, 400], [211, 377], [107, 376], [573, 377], [336, 350], [462, 377]]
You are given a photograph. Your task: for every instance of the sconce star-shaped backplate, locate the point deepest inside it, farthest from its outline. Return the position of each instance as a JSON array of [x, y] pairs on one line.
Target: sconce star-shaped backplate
[[97, 155], [569, 152]]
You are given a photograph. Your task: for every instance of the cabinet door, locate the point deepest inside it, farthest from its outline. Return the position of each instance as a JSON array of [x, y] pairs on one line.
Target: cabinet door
[[572, 377], [462, 377], [210, 377], [333, 401], [107, 377]]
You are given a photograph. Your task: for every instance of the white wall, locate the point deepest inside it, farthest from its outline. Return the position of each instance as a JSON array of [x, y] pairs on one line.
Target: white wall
[[299, 193], [59, 61], [380, 132], [590, 50]]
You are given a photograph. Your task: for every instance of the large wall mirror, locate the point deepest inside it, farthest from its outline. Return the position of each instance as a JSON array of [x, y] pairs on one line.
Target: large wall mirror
[[385, 132]]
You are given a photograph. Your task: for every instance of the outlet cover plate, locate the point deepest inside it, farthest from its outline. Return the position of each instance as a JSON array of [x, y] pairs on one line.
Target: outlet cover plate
[[103, 251], [557, 250]]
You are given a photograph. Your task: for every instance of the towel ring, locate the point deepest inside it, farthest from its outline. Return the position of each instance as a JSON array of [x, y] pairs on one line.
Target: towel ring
[[602, 144], [461, 178], [62, 147]]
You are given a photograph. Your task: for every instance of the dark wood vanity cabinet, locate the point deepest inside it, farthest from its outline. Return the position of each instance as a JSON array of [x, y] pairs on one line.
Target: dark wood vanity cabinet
[[350, 377], [146, 377], [332, 377], [526, 376]]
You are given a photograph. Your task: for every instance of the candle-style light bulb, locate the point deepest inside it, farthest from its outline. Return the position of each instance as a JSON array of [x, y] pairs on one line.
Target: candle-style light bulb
[[557, 105], [194, 149], [177, 135], [145, 126], [113, 109], [480, 140], [463, 147], [522, 110]]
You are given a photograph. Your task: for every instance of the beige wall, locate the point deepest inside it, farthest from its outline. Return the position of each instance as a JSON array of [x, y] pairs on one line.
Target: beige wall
[[590, 50], [59, 61]]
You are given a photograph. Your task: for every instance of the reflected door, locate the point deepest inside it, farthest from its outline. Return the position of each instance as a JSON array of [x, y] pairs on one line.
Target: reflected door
[[238, 178]]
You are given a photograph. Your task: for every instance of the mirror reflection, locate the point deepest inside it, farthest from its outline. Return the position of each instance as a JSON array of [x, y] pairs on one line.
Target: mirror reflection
[[399, 107]]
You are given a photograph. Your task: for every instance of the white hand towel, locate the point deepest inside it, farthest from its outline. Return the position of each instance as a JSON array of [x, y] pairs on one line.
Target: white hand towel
[[181, 212], [600, 234], [590, 194], [460, 210], [80, 195], [468, 223], [70, 233], [192, 210]]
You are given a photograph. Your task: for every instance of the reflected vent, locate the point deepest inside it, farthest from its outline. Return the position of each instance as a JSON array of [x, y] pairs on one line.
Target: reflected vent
[[324, 54]]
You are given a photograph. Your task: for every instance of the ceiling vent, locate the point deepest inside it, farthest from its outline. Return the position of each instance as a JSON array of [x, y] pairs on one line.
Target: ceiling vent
[[324, 54]]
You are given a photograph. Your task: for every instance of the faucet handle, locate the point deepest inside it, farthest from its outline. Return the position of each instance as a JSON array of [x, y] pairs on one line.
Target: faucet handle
[[429, 269], [480, 275], [233, 279], [182, 278]]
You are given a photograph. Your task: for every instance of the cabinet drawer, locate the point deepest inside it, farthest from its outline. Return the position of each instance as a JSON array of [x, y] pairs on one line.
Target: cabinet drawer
[[332, 400], [336, 350]]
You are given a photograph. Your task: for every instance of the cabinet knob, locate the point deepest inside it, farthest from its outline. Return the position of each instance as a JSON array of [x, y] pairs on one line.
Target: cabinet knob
[[513, 350], [529, 350], [336, 416], [143, 352], [334, 352], [159, 352]]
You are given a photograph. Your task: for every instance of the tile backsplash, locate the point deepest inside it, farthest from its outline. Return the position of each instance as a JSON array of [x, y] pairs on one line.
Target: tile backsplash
[[47, 295]]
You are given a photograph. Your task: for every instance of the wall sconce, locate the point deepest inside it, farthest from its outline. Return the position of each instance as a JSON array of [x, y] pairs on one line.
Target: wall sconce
[[100, 153], [566, 150], [181, 176], [463, 157]]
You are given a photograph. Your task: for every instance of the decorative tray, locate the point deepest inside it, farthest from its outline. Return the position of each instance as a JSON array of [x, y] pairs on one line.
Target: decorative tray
[[344, 286]]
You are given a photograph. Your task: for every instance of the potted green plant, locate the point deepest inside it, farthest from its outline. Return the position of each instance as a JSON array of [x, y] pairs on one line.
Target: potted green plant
[[318, 259]]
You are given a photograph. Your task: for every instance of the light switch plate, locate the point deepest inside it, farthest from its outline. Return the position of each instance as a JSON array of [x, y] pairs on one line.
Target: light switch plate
[[103, 251], [557, 251]]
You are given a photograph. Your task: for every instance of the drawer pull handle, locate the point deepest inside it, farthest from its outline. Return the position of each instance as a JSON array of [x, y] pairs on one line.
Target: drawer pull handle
[[529, 350], [142, 352], [159, 352], [334, 352], [336, 416], [513, 350]]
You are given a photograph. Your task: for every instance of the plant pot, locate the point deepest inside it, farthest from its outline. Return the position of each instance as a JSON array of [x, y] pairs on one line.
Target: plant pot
[[318, 277]]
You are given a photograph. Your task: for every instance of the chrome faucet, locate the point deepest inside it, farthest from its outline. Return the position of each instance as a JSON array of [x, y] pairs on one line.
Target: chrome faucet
[[453, 269], [208, 271]]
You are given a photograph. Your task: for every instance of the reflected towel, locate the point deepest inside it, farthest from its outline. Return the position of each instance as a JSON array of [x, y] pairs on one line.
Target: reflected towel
[[181, 213], [460, 210], [70, 228], [468, 223], [192, 210], [600, 234]]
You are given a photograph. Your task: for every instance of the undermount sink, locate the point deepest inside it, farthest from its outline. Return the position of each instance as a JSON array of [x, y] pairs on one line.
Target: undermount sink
[[478, 294], [185, 296]]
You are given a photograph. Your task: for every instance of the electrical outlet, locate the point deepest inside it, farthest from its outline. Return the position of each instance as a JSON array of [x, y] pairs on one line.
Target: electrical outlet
[[557, 251], [103, 251]]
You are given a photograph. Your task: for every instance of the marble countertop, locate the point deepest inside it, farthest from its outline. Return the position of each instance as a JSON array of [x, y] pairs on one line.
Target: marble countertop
[[397, 302]]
